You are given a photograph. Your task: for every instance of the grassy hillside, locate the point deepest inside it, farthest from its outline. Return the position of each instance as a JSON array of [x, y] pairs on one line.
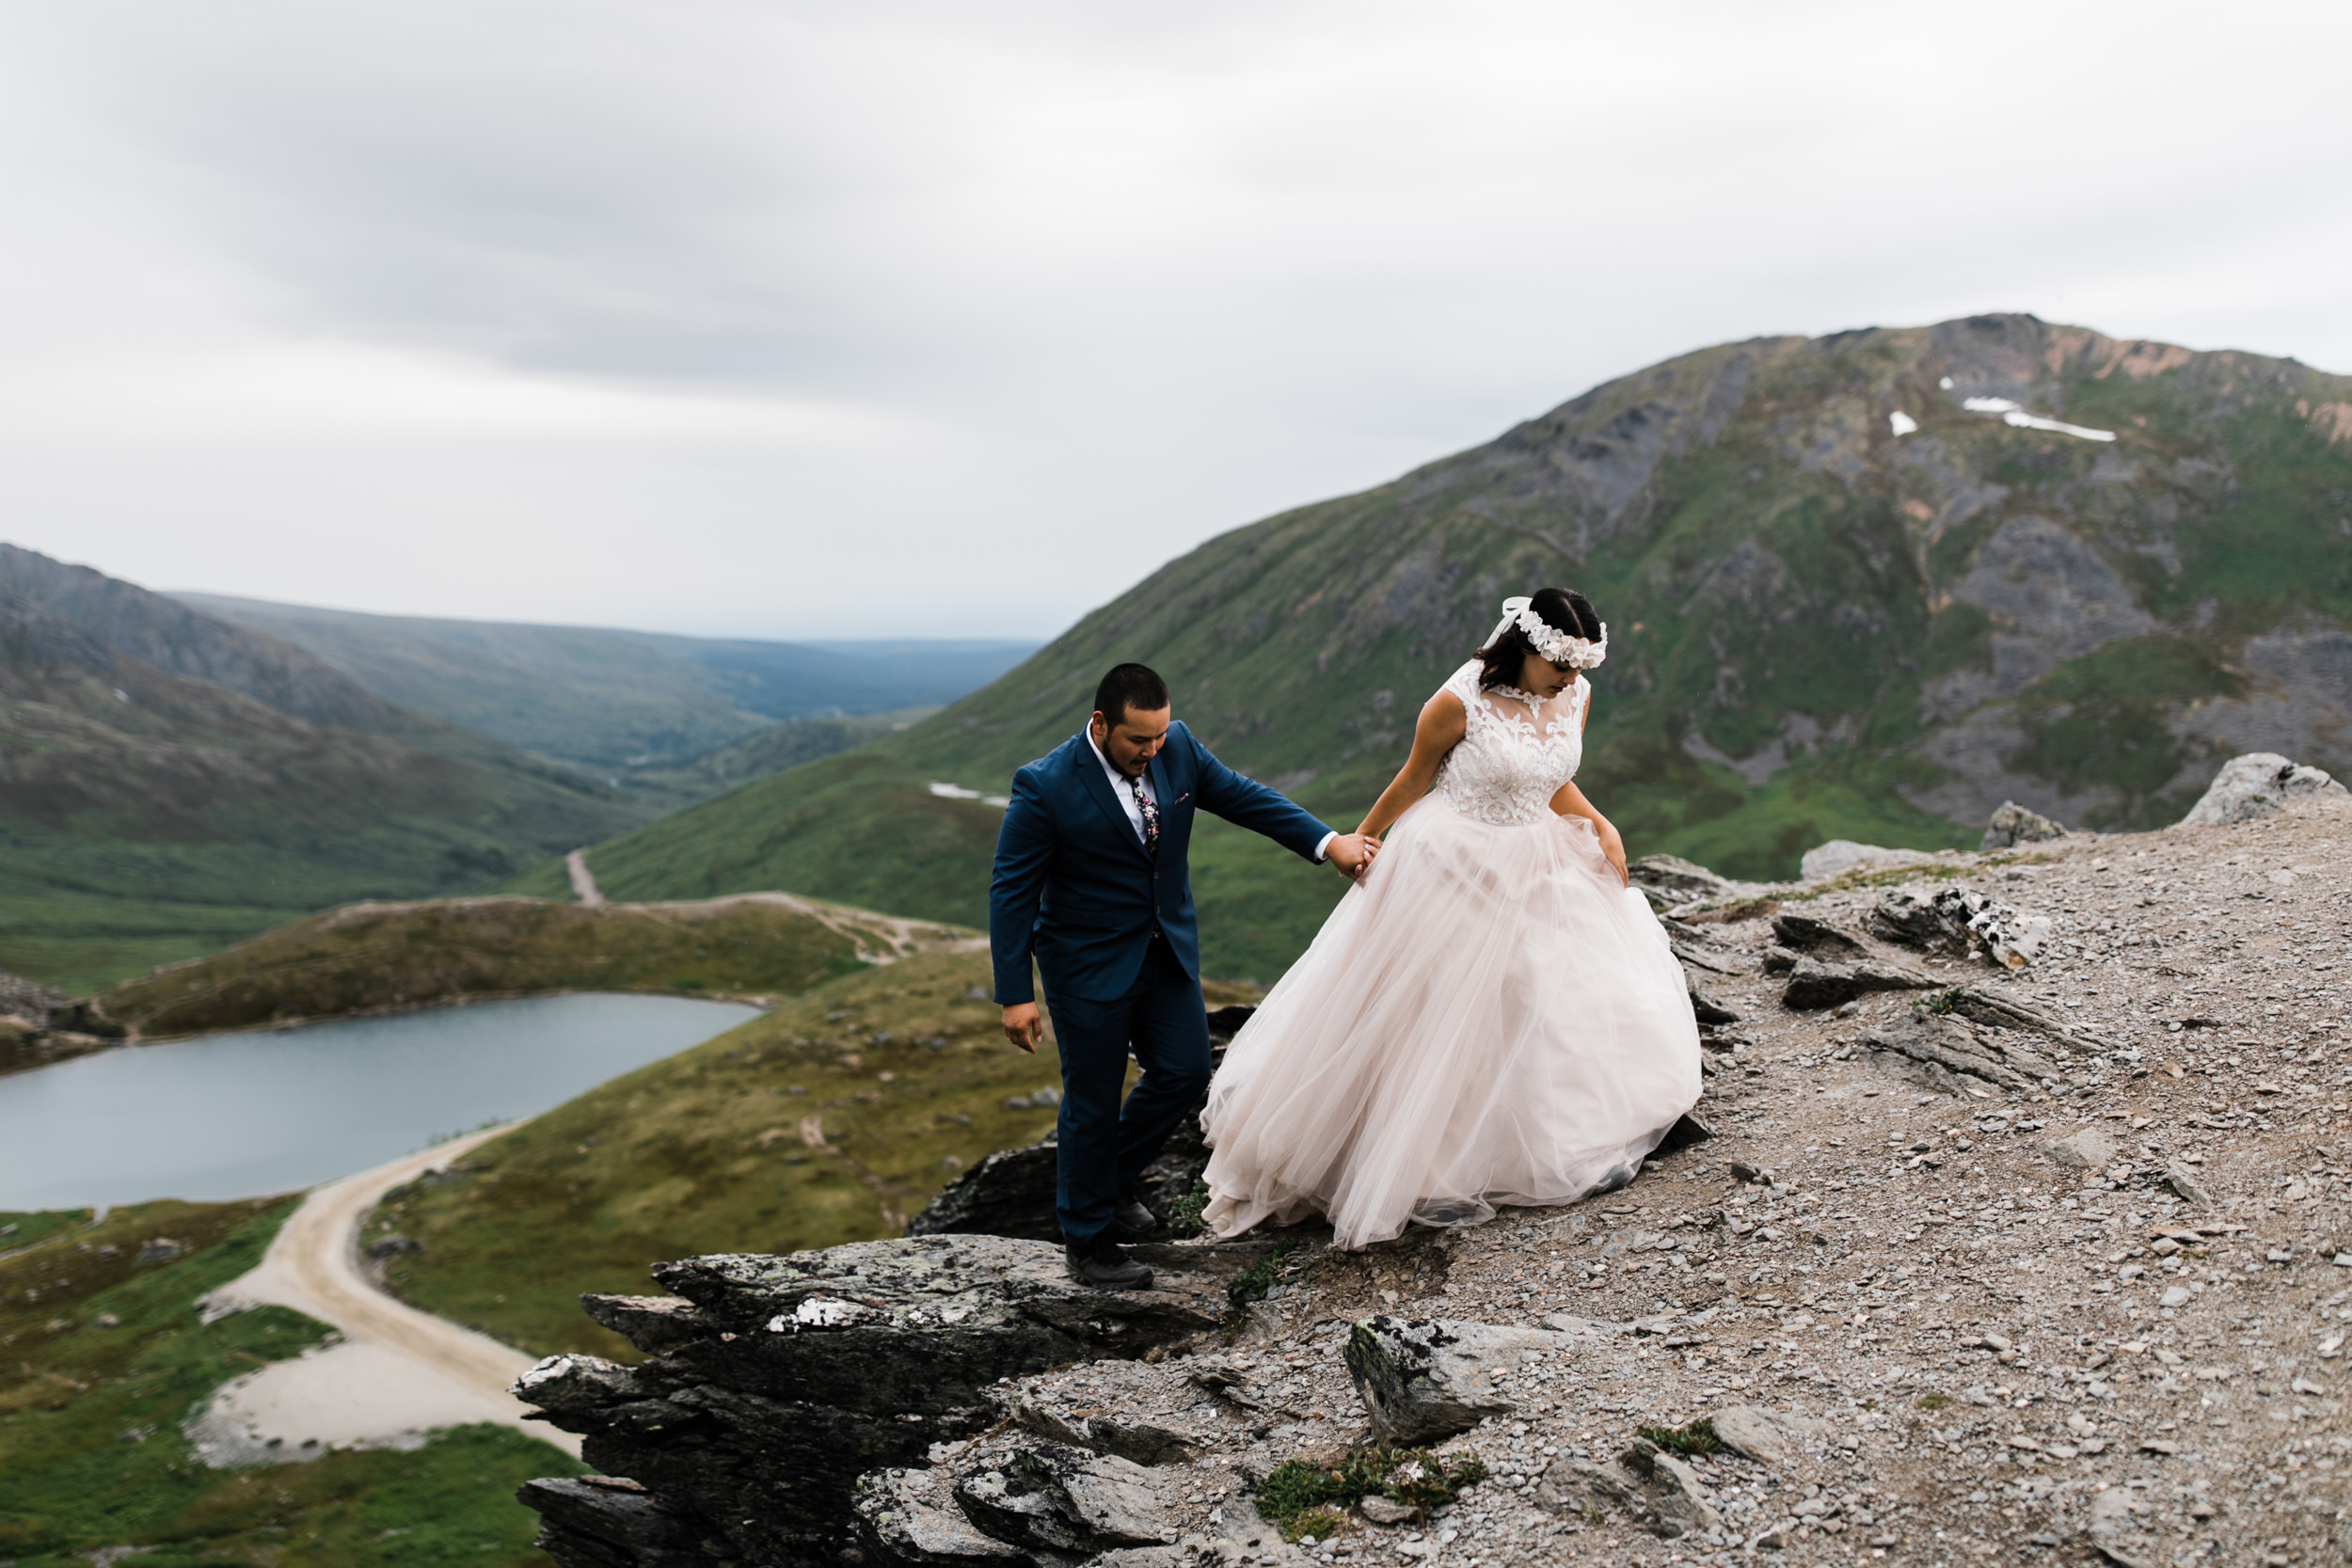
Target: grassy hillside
[[1819, 628], [705, 1152], [613, 700], [91, 1454], [169, 783], [828, 1121], [366, 957]]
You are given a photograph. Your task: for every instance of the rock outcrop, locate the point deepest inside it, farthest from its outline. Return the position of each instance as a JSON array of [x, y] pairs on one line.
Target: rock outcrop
[[1942, 1052], [2012, 824], [1426, 1380], [1653, 1489], [1669, 882], [1825, 862], [1813, 986], [1958, 921], [39, 1024], [773, 1383], [2257, 785]]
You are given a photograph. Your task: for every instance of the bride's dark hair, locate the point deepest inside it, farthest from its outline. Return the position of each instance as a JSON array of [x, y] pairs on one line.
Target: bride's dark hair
[[1562, 610]]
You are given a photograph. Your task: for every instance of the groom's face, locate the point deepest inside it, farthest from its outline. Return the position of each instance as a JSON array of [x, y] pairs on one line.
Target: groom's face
[[1134, 740]]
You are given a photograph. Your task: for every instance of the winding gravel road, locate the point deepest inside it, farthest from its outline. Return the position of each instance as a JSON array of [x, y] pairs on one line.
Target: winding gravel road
[[399, 1372]]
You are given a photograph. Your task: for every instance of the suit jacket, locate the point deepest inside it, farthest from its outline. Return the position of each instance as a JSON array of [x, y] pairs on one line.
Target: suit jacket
[[1076, 888]]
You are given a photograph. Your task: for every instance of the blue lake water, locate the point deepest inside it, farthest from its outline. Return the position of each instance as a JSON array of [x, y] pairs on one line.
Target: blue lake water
[[271, 1111]]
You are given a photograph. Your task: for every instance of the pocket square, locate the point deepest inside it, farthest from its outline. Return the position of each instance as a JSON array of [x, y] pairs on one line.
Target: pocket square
[[1185, 796]]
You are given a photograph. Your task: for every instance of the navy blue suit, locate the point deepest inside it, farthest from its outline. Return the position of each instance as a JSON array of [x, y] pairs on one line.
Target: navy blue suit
[[1112, 930]]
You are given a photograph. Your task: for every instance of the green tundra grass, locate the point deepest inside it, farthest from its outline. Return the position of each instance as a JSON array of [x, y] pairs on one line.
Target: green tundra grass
[[92, 1451]]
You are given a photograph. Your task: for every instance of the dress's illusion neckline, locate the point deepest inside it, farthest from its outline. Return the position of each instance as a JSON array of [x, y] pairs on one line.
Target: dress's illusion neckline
[[1534, 703]]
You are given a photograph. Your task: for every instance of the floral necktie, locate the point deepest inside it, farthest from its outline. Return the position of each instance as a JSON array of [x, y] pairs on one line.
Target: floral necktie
[[1151, 812]]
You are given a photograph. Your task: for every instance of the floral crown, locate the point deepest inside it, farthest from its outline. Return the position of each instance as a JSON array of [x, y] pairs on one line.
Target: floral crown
[[1557, 647]]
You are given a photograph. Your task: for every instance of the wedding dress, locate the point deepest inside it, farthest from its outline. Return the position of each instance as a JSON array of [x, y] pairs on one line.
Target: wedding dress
[[1489, 1018]]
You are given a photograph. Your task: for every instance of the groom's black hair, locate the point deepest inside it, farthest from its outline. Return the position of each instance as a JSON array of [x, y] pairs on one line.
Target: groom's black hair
[[1129, 686], [1562, 609]]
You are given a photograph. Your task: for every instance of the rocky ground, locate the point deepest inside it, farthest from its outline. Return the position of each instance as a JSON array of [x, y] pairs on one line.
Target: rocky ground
[[2047, 1263]]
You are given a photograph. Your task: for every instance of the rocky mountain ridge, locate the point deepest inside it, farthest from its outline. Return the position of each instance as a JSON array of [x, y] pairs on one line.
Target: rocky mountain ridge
[[2079, 1294], [1867, 586]]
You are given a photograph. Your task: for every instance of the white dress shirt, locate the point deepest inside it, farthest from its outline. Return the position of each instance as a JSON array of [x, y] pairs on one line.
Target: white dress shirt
[[1125, 790]]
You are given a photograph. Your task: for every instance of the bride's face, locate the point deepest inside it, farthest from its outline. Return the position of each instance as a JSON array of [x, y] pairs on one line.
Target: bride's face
[[1540, 677]]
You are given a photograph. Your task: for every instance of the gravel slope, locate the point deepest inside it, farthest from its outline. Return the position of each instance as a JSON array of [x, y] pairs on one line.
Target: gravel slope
[[1990, 1349]]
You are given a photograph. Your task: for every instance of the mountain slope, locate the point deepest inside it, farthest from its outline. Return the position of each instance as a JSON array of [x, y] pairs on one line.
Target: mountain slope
[[616, 700], [169, 783], [1820, 628]]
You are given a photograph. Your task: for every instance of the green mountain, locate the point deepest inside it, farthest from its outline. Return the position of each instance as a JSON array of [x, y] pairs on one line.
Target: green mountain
[[171, 782], [619, 702], [1825, 621]]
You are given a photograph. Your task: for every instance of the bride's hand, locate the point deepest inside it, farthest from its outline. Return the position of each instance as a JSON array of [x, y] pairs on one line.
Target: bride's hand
[[1613, 849]]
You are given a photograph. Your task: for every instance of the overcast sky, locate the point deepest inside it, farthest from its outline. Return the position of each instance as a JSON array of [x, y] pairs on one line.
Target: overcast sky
[[812, 320]]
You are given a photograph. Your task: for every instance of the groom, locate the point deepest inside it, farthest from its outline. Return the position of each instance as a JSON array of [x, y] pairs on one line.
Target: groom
[[1090, 881]]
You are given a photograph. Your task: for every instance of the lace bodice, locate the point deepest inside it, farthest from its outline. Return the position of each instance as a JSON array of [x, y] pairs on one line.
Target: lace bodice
[[1516, 752]]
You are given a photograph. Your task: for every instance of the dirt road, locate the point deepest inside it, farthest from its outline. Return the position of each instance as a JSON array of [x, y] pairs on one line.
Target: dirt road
[[399, 1372]]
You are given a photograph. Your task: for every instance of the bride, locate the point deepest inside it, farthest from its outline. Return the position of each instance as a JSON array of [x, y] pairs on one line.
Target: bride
[[1491, 1016]]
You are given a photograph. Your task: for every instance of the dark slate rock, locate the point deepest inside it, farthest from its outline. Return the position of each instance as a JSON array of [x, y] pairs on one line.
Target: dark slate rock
[[904, 1519], [1066, 1500], [1912, 920], [1820, 938], [1688, 1130], [1946, 1053], [1706, 1008], [774, 1383], [1010, 1193], [1422, 1380], [1667, 880], [1814, 984], [610, 1522]]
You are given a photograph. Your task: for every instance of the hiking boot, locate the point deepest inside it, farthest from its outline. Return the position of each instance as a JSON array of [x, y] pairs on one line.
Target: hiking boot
[[1098, 1263], [1133, 1221]]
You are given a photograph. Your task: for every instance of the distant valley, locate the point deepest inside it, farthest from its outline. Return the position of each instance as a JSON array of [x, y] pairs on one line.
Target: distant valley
[[172, 781], [619, 702]]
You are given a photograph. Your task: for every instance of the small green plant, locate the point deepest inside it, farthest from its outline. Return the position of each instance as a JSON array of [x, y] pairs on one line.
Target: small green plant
[[1183, 1215], [1945, 1002], [1935, 1401], [1253, 1282], [1692, 1437], [1298, 1495], [1320, 1523]]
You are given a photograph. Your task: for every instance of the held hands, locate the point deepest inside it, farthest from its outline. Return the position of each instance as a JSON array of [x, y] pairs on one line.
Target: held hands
[[1351, 854], [1023, 1027]]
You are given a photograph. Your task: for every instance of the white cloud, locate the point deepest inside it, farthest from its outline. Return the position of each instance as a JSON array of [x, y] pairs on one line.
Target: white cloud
[[736, 317], [284, 388]]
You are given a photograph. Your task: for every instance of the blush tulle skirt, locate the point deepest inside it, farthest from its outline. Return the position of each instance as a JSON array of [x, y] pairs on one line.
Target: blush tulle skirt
[[1488, 1018]]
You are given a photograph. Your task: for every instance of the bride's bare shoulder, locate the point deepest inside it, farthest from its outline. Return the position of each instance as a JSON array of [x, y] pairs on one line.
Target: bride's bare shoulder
[[1443, 714]]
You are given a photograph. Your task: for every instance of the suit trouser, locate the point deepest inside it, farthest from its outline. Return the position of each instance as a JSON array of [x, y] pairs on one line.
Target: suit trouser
[[1103, 1145]]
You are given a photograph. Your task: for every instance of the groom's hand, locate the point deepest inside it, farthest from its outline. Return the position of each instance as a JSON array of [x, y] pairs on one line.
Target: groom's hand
[[1023, 1027], [1352, 853]]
